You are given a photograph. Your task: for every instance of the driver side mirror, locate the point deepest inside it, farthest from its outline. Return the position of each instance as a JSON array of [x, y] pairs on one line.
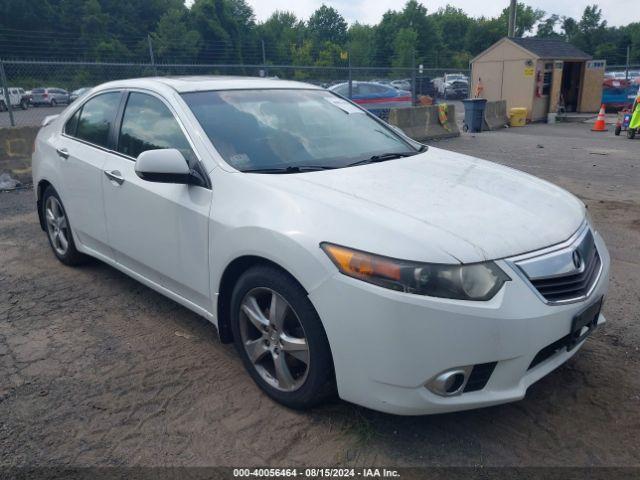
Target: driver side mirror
[[165, 165]]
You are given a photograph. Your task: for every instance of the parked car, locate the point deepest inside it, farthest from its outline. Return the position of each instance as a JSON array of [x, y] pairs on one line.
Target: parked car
[[453, 85], [17, 96], [73, 96], [404, 84], [375, 97], [49, 96], [335, 252]]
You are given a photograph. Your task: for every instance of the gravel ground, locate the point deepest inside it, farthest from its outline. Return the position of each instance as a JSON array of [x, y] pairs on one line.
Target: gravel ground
[[96, 369]]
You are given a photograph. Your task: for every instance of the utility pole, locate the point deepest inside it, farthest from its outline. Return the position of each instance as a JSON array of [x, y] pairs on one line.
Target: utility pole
[[350, 75], [153, 60], [7, 98], [413, 78], [512, 18], [264, 58], [626, 74]]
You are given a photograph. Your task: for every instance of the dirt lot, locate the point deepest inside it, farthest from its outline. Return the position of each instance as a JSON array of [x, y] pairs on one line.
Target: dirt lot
[[96, 369]]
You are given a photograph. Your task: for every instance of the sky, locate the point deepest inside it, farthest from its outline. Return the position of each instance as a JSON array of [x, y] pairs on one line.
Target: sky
[[616, 12]]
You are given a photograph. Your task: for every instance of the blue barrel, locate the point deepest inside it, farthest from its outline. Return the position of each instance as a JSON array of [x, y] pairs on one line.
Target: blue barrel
[[474, 113]]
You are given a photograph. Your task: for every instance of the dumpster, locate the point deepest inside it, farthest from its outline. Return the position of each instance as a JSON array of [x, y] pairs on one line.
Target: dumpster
[[518, 117], [473, 114]]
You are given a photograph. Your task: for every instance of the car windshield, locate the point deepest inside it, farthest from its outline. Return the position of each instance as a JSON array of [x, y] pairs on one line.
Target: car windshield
[[291, 129]]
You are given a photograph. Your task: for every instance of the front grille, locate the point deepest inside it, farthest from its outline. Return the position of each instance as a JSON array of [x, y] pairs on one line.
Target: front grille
[[571, 286], [479, 376]]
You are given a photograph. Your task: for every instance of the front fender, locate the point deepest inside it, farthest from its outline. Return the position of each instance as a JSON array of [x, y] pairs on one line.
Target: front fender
[[296, 253]]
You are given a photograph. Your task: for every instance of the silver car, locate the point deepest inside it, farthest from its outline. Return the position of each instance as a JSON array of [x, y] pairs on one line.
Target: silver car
[[49, 96]]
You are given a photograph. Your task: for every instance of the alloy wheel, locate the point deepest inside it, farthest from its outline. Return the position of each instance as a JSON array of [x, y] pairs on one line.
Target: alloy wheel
[[57, 225], [274, 339]]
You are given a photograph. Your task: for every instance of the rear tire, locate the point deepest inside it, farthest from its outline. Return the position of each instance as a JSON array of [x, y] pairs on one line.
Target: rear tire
[[53, 103], [58, 229], [290, 358]]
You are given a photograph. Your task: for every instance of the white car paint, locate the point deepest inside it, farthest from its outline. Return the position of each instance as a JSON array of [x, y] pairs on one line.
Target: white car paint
[[437, 207]]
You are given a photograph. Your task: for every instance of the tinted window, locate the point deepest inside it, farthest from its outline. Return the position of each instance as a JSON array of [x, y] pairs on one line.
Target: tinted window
[[370, 89], [96, 118], [149, 125], [72, 124]]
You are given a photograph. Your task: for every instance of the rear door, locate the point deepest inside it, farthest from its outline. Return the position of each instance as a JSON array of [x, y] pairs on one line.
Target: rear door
[[158, 230], [81, 152]]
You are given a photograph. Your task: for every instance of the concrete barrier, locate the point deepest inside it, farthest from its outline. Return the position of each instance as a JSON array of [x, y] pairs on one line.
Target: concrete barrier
[[16, 148], [495, 115], [424, 123]]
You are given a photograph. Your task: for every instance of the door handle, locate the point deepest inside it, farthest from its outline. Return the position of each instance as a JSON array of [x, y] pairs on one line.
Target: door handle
[[114, 176], [62, 152]]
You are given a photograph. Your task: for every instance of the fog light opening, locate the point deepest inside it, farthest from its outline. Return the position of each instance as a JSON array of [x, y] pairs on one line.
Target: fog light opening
[[450, 383], [453, 383]]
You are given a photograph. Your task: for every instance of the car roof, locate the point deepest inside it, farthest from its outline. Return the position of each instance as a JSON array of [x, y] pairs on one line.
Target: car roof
[[184, 84], [358, 82]]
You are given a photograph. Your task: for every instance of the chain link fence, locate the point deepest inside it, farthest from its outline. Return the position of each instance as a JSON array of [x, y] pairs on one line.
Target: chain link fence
[[23, 82]]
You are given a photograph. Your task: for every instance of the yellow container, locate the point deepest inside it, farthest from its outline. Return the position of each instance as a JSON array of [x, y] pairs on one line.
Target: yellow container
[[518, 117]]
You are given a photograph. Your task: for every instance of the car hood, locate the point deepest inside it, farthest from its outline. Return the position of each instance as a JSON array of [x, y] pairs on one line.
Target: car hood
[[469, 208]]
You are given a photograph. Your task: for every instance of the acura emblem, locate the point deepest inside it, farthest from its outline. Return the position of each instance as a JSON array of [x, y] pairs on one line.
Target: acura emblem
[[577, 260]]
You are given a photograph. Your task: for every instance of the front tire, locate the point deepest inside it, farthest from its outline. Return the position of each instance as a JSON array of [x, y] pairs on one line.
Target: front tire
[[59, 229], [631, 133], [280, 338]]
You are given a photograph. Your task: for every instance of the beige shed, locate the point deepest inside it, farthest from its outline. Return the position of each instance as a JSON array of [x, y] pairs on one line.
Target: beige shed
[[539, 74]]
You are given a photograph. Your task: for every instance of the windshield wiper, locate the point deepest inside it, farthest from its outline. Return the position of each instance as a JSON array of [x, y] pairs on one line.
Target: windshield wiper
[[383, 157], [289, 169]]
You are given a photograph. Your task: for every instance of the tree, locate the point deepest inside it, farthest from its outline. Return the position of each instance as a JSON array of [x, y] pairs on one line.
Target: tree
[[226, 26], [173, 39], [301, 55], [547, 27], [279, 32], [453, 25], [327, 25], [412, 16], [526, 18], [591, 29], [404, 47], [570, 28], [360, 44]]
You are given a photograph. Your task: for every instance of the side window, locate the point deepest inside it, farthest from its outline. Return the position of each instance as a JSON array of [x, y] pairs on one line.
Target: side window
[[72, 124], [96, 118], [148, 124]]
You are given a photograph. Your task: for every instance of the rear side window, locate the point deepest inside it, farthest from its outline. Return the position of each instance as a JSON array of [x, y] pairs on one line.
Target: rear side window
[[148, 124], [96, 118], [72, 124]]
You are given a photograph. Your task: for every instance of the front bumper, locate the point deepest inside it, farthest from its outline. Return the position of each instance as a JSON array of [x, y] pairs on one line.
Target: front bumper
[[387, 345]]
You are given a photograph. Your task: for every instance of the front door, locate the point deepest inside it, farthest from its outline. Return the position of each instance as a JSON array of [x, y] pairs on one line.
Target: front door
[[157, 230]]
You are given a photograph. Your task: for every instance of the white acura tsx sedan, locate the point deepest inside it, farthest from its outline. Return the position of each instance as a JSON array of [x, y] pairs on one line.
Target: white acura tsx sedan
[[337, 254]]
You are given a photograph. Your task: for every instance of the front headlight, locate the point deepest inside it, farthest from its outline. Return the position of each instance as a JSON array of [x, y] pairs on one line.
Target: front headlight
[[476, 281]]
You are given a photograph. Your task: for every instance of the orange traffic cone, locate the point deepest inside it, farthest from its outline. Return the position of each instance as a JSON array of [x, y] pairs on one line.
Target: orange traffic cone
[[600, 126]]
